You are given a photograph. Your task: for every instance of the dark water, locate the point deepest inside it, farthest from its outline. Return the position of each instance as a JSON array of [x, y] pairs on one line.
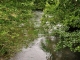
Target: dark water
[[41, 50], [64, 54], [43, 47]]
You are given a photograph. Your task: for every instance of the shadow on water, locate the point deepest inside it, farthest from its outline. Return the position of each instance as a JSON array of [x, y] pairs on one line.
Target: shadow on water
[[64, 54]]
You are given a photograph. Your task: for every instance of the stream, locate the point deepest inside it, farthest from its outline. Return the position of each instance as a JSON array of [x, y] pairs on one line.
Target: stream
[[36, 52], [33, 52]]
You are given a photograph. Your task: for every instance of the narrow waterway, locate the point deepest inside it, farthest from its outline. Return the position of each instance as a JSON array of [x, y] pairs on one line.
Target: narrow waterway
[[40, 50], [34, 51]]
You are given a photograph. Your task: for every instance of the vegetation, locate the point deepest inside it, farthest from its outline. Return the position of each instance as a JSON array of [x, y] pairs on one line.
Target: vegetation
[[65, 14], [39, 4], [16, 27]]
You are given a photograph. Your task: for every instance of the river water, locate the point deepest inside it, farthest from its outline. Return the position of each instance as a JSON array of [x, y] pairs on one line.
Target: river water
[[35, 50]]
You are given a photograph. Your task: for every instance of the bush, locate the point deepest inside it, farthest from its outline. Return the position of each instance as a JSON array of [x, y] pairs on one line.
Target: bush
[[16, 28], [39, 4], [66, 13]]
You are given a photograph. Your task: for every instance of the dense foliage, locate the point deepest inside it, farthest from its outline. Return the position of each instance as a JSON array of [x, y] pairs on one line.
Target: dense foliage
[[16, 27], [39, 4], [65, 15]]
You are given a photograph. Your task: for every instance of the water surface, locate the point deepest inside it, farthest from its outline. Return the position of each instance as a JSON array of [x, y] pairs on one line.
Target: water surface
[[33, 52], [42, 48]]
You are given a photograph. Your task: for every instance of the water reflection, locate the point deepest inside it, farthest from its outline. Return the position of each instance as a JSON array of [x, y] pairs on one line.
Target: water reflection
[[33, 52], [64, 54]]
